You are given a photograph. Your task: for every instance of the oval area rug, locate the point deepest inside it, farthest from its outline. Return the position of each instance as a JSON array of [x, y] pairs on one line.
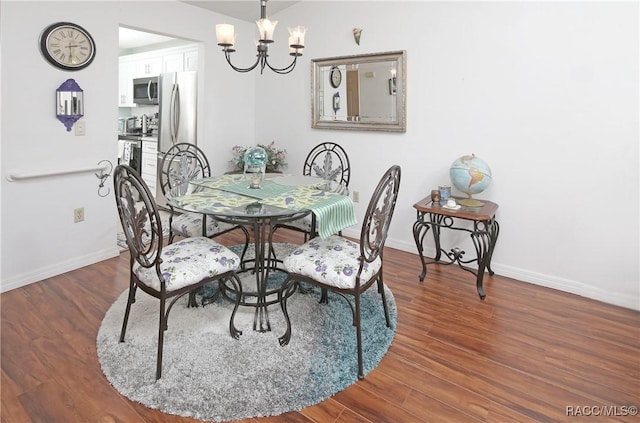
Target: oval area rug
[[208, 375]]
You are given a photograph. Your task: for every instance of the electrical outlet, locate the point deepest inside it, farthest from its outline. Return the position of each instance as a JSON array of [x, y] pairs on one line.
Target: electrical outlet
[[356, 197], [78, 215], [80, 128]]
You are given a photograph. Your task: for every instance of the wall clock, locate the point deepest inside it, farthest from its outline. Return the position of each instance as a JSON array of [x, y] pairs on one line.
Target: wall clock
[[67, 46], [335, 77]]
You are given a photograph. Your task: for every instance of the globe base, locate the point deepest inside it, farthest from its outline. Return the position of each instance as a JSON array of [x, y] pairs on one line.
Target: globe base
[[470, 202]]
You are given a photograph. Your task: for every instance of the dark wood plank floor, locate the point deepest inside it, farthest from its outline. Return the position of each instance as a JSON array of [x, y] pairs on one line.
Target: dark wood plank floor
[[526, 353]]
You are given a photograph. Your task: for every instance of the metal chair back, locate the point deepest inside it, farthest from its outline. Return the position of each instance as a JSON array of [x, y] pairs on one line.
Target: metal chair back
[[182, 163], [140, 219], [329, 161], [378, 216]]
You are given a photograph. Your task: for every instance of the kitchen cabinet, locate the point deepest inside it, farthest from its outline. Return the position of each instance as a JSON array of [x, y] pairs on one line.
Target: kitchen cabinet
[[126, 73], [180, 61], [149, 66], [153, 63], [149, 166], [191, 60], [173, 62]]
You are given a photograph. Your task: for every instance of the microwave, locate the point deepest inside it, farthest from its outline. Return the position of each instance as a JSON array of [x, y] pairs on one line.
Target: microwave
[[145, 90]]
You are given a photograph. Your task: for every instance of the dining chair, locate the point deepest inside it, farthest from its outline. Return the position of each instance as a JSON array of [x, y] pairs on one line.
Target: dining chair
[[328, 161], [182, 163], [167, 273], [345, 267]]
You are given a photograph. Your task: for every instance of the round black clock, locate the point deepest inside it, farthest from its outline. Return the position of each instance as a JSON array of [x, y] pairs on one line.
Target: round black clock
[[67, 46], [335, 77]]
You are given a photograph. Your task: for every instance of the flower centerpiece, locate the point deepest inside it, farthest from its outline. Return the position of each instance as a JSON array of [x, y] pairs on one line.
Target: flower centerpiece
[[276, 158]]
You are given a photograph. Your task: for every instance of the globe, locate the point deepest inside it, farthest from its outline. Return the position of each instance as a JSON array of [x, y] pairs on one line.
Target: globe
[[470, 175]]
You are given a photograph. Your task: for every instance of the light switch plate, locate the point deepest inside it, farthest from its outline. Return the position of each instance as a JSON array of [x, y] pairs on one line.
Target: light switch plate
[[80, 128]]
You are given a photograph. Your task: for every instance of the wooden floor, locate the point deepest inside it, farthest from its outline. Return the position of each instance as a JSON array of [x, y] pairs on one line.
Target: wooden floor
[[526, 353]]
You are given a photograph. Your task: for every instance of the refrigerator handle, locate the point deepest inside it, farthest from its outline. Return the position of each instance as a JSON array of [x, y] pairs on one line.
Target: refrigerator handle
[[176, 108], [172, 113]]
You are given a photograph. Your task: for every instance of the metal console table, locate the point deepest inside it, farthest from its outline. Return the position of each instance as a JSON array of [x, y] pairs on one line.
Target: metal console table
[[484, 235]]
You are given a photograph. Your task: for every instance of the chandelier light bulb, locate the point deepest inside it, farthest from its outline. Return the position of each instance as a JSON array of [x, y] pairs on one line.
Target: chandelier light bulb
[[296, 36], [225, 35], [266, 28]]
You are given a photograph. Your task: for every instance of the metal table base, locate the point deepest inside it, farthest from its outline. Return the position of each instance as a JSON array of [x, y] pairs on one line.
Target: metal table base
[[484, 235]]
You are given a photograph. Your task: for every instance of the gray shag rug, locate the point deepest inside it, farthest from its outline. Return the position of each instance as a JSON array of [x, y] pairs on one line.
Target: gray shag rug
[[210, 376]]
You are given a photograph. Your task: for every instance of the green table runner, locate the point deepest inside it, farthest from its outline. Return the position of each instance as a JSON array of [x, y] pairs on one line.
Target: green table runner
[[267, 189], [334, 212]]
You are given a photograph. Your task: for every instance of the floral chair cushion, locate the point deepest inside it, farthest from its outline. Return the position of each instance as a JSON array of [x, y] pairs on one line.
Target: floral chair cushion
[[187, 262], [332, 261], [190, 224]]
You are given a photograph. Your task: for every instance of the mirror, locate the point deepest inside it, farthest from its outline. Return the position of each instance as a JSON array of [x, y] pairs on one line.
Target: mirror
[[362, 92]]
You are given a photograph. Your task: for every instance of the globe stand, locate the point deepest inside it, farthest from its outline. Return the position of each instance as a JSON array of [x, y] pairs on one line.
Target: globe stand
[[470, 202]]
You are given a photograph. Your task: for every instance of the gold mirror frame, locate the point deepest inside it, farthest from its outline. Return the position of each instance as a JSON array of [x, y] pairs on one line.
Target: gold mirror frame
[[372, 66]]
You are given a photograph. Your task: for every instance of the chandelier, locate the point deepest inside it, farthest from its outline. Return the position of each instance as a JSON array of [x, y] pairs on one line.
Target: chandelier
[[226, 39]]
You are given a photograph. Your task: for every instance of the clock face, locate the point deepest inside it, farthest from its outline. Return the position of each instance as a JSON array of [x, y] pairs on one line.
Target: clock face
[[67, 46], [335, 77]]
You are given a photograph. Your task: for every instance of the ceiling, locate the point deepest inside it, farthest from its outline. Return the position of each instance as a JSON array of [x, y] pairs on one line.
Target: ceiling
[[130, 38], [246, 10]]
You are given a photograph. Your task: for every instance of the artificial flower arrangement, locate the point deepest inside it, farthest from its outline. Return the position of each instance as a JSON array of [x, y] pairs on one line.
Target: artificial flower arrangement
[[276, 158]]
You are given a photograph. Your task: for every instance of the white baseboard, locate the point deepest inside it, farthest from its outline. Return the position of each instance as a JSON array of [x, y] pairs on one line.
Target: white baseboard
[[528, 276], [524, 275], [37, 275], [567, 285]]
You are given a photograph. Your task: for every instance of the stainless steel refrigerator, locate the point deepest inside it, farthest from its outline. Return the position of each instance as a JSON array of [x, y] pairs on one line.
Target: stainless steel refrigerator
[[177, 114]]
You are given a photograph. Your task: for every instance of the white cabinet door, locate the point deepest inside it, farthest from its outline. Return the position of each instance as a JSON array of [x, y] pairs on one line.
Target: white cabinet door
[[151, 66], [126, 73], [186, 60], [149, 166], [154, 63], [173, 62], [191, 60]]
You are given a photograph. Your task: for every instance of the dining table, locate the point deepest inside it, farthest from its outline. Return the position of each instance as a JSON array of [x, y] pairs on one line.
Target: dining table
[[281, 198]]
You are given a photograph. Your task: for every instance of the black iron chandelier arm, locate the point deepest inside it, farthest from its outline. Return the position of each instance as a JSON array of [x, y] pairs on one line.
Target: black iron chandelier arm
[[263, 61], [227, 55], [284, 70]]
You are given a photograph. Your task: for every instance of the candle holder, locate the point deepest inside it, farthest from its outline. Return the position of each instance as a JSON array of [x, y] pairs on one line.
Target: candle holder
[[255, 166], [254, 175], [445, 192], [435, 196]]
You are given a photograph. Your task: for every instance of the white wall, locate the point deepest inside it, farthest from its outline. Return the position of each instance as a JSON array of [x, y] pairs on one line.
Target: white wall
[[39, 238], [547, 93]]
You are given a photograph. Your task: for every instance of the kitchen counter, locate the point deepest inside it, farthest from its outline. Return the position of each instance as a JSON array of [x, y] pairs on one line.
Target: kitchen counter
[[129, 137], [138, 137]]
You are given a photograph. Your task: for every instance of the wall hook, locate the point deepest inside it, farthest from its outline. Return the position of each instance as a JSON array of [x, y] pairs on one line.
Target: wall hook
[[103, 177]]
